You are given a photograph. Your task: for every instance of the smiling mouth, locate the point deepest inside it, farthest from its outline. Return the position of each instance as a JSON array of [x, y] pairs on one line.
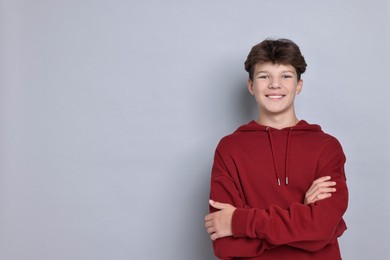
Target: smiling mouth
[[274, 96]]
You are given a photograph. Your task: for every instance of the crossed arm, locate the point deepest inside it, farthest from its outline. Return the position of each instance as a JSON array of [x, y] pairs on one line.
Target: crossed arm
[[219, 224]]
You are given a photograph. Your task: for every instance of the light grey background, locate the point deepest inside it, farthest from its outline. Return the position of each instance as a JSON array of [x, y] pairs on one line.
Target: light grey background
[[110, 112]]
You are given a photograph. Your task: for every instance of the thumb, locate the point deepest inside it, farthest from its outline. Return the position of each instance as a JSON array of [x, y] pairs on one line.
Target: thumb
[[218, 205]]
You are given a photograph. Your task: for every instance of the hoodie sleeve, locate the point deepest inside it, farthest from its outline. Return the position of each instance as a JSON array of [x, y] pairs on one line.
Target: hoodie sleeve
[[224, 189], [309, 227]]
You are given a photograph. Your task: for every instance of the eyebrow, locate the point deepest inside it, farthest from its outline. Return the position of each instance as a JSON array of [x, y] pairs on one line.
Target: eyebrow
[[264, 71]]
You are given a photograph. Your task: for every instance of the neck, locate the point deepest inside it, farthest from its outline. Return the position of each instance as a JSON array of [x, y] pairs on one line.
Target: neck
[[278, 122]]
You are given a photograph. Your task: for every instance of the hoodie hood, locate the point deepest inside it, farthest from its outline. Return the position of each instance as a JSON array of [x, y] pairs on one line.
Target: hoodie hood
[[302, 125]]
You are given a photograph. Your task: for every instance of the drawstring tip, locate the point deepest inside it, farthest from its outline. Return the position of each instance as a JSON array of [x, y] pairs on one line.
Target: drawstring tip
[[278, 181], [286, 180]]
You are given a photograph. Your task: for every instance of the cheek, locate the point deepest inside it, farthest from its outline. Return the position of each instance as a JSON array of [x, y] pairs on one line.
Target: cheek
[[257, 96]]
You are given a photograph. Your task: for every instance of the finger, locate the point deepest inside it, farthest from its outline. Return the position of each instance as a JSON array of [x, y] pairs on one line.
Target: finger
[[319, 186], [322, 184], [219, 205], [210, 230], [317, 183], [326, 184], [322, 179], [208, 224], [312, 198], [320, 194], [328, 190], [320, 191], [208, 217], [323, 196], [214, 236]]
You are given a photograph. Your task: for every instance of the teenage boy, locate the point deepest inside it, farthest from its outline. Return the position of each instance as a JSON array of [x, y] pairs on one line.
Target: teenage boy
[[273, 182]]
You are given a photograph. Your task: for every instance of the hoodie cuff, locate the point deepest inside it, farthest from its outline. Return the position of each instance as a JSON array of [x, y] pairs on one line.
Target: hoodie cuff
[[239, 220]]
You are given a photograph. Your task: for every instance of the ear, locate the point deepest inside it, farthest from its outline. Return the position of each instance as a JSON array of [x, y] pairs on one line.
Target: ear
[[250, 87], [299, 87]]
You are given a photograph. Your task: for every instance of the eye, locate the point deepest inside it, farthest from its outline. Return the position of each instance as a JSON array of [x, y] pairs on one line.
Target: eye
[[287, 76], [263, 77]]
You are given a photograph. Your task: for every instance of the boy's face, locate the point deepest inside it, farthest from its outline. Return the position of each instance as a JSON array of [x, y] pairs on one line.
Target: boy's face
[[275, 87]]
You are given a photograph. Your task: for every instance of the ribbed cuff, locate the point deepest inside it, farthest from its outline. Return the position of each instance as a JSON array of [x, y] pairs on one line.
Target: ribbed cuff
[[239, 220]]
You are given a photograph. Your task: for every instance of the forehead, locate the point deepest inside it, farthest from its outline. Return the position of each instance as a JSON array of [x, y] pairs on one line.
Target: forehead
[[274, 68]]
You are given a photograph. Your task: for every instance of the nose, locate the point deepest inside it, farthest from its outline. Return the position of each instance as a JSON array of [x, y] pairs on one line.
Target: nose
[[274, 83]]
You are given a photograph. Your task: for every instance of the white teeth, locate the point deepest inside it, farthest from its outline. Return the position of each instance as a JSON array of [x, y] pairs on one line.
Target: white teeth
[[275, 96]]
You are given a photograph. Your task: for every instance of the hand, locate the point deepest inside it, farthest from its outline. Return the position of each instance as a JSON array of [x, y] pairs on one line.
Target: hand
[[321, 188], [219, 223]]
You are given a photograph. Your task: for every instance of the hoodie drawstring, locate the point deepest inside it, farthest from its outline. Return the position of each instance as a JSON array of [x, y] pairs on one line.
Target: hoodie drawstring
[[273, 156], [287, 151]]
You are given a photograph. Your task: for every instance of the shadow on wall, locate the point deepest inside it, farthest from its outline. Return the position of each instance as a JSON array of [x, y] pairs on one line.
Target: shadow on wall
[[191, 205], [246, 106], [243, 106], [241, 109]]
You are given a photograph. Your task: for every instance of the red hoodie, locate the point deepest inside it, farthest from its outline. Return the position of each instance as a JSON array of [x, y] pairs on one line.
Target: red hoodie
[[265, 173]]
